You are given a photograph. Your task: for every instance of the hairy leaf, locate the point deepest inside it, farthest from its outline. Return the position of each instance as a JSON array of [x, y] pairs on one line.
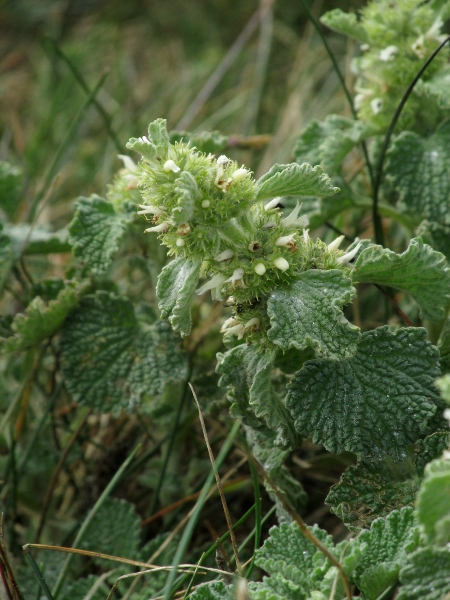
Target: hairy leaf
[[372, 489], [96, 231], [309, 313], [41, 320], [109, 359], [250, 366], [429, 449], [209, 142], [420, 170], [294, 180], [346, 23], [187, 191], [374, 403], [328, 142], [433, 507], [385, 549], [175, 290], [426, 576], [436, 235], [420, 270], [214, 590]]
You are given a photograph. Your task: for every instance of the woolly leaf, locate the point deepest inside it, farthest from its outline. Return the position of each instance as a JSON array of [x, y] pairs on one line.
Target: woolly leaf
[[309, 313], [96, 231], [109, 359], [328, 142], [157, 133], [420, 170], [346, 23], [251, 366], [209, 142], [436, 235], [430, 448], [371, 489], [187, 191], [433, 507], [6, 257], [175, 290], [375, 403], [41, 320], [385, 550], [294, 180], [82, 587], [214, 590], [425, 577], [420, 270], [11, 181], [115, 529]]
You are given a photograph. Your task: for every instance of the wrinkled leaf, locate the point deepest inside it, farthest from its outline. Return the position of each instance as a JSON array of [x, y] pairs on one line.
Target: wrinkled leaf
[[426, 576], [420, 270], [109, 360], [346, 23], [375, 403], [214, 590], [433, 506], [309, 313], [175, 290], [209, 142], [294, 180]]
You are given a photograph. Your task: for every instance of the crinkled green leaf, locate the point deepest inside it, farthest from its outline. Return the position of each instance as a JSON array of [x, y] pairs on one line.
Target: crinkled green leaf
[[155, 146], [277, 587], [420, 170], [6, 257], [214, 590], [109, 360], [436, 89], [433, 502], [309, 313], [43, 319], [251, 366], [294, 180], [419, 270], [372, 489], [436, 235], [115, 530], [84, 587], [11, 181], [375, 403], [385, 549], [429, 449], [96, 231], [175, 290], [328, 142], [187, 191], [426, 576], [288, 555], [209, 142], [346, 23]]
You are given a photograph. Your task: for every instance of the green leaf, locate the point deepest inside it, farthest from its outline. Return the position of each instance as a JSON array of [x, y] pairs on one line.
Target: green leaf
[[109, 360], [214, 590], [309, 313], [429, 449], [42, 320], [6, 257], [436, 235], [294, 180], [82, 587], [175, 289], [209, 142], [420, 170], [328, 142], [157, 143], [251, 366], [346, 23], [385, 549], [375, 403], [426, 577], [433, 507], [11, 182], [187, 191], [372, 489], [96, 231], [38, 240], [420, 270], [115, 530]]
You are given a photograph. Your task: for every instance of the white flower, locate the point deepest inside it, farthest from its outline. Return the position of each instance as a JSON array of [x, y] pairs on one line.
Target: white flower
[[161, 228], [230, 301], [286, 240], [260, 269], [181, 242], [376, 105], [293, 221], [240, 174], [388, 53], [170, 165], [346, 258], [306, 236], [281, 263], [253, 323], [237, 278], [233, 327], [214, 284], [149, 209], [225, 255], [222, 160], [273, 203], [336, 243], [128, 163]]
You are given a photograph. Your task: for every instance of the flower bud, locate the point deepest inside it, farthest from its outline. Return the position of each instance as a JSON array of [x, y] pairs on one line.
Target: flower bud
[[260, 269], [205, 203], [273, 203], [161, 228], [346, 258], [281, 263], [240, 174], [336, 243], [225, 255]]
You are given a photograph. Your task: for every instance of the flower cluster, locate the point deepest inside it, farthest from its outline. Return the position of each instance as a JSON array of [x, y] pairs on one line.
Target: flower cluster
[[205, 208]]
